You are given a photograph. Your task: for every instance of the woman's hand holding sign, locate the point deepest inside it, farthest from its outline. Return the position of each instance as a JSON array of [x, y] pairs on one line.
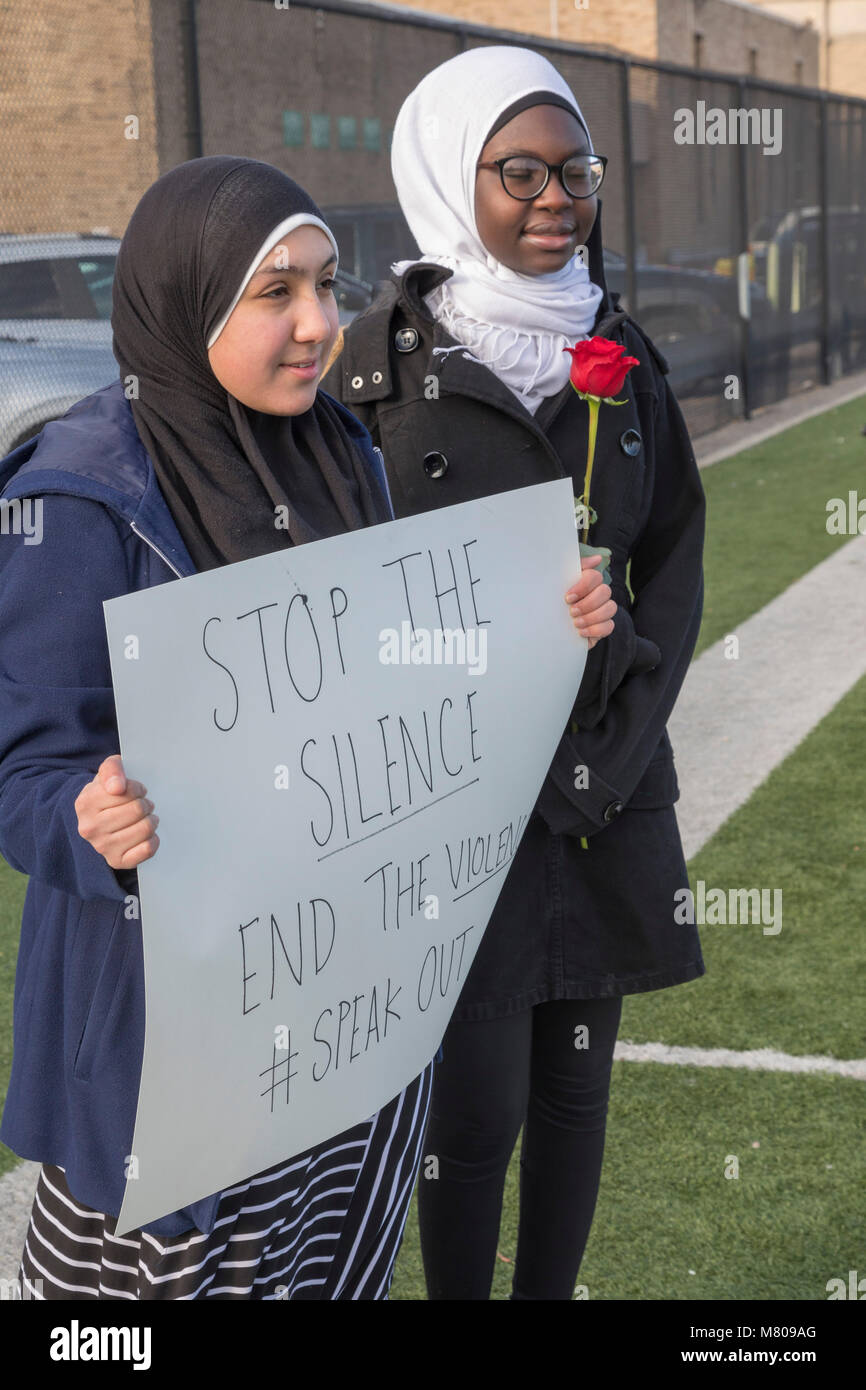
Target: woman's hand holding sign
[[589, 601], [115, 817]]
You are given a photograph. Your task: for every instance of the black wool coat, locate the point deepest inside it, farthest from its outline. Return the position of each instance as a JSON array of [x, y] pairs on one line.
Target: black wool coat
[[587, 909]]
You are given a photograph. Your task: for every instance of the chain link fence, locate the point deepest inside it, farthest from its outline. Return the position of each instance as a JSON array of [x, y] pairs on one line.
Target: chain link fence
[[734, 211]]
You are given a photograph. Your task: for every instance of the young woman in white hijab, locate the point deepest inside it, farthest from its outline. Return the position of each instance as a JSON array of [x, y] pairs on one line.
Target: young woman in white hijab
[[459, 373]]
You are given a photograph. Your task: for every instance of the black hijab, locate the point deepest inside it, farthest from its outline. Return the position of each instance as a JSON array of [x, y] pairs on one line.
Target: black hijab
[[223, 468]]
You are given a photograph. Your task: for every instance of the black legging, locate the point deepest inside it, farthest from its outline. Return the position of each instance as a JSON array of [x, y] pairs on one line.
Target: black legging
[[494, 1077]]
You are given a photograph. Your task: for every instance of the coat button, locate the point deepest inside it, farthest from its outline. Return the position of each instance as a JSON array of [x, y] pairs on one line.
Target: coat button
[[435, 464], [357, 383], [630, 442], [405, 339], [376, 378], [613, 810]]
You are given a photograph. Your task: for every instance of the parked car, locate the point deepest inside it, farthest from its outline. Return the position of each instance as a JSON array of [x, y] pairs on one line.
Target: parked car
[[55, 337], [55, 330], [691, 316], [791, 276], [370, 236]]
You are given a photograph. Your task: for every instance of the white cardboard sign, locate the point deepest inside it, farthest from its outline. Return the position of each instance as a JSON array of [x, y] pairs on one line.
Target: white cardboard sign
[[341, 788]]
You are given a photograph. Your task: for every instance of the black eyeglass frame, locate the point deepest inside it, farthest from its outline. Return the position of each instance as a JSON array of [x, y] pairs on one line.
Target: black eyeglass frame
[[550, 169]]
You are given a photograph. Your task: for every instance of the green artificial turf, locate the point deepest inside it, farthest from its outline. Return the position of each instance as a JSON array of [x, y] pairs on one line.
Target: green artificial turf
[[780, 1230], [767, 513], [12, 889], [804, 831]]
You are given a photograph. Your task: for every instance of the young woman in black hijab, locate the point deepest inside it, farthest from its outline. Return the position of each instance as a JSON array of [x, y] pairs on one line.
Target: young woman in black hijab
[[223, 320]]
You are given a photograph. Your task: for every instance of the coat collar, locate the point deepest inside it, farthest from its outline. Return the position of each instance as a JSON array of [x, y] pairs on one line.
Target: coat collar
[[94, 446], [94, 451], [365, 361]]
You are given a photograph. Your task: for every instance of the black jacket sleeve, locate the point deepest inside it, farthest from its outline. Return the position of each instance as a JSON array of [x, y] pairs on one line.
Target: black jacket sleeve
[[619, 733], [623, 653]]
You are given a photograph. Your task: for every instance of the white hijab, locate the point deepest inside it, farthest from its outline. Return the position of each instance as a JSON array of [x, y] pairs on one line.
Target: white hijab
[[516, 324]]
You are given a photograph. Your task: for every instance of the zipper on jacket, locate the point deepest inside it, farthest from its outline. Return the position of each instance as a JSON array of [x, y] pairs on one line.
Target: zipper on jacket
[[162, 557]]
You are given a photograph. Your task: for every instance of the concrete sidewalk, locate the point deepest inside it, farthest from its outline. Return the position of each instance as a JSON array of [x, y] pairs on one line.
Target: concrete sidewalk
[[736, 719], [16, 1199]]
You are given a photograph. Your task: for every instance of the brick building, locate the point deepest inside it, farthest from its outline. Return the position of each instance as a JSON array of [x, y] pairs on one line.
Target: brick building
[[841, 29], [70, 76], [722, 35]]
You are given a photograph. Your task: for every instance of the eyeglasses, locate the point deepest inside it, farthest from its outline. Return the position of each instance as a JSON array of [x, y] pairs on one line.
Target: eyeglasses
[[524, 176]]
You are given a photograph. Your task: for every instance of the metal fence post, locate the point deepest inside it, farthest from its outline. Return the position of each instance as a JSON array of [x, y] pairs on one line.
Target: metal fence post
[[745, 327], [824, 237], [630, 240], [189, 40]]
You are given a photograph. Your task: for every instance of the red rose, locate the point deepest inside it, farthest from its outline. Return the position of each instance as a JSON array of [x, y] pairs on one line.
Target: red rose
[[599, 367]]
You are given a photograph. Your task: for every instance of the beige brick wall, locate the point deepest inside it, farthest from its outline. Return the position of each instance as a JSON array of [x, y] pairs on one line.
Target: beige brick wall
[[656, 29], [627, 26], [848, 65], [730, 31], [317, 63], [71, 76], [843, 64]]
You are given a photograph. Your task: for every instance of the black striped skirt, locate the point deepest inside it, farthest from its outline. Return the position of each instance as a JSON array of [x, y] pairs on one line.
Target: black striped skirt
[[326, 1224]]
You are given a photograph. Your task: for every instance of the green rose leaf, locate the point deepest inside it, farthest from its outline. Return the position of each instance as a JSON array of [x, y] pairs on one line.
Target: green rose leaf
[[597, 550]]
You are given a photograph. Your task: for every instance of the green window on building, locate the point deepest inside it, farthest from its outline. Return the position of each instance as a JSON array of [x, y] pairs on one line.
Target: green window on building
[[293, 127], [372, 133], [347, 132], [320, 132]]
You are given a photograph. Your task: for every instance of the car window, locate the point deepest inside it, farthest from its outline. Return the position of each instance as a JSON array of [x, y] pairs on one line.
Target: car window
[[673, 322], [98, 273], [28, 291], [350, 296]]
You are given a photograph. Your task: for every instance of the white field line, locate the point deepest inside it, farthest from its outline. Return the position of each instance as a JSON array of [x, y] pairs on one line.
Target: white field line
[[737, 718], [757, 1059]]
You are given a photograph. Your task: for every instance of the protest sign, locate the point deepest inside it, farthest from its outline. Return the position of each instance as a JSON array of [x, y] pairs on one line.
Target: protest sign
[[344, 742]]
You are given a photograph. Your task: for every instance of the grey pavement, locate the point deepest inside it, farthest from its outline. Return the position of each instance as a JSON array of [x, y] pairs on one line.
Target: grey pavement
[[16, 1199], [736, 718]]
